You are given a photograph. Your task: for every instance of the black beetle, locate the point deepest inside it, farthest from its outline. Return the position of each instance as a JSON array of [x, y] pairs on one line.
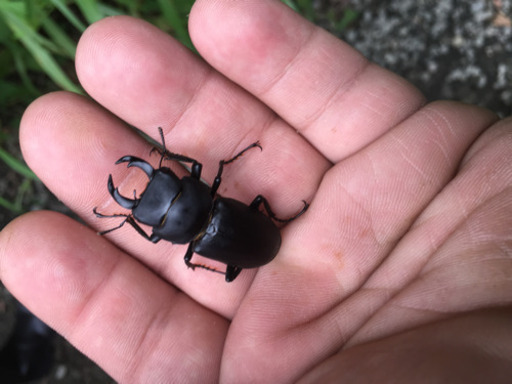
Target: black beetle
[[188, 211]]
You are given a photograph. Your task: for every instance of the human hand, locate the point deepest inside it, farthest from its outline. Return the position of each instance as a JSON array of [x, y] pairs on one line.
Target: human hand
[[399, 271]]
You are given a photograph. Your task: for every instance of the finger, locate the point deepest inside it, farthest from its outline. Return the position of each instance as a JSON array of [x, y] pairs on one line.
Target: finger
[[424, 354], [364, 205], [72, 143], [382, 190], [461, 244], [321, 86], [137, 327], [149, 80]]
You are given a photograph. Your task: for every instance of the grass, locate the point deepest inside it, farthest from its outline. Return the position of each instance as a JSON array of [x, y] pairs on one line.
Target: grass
[[37, 48]]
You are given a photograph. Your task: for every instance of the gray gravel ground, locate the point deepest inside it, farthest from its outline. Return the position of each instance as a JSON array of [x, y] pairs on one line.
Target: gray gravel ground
[[449, 49]]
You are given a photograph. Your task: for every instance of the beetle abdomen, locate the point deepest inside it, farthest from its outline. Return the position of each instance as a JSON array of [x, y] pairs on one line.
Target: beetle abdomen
[[239, 235]]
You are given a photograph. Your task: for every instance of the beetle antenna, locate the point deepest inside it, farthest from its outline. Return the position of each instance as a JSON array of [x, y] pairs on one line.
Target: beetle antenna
[[103, 216]]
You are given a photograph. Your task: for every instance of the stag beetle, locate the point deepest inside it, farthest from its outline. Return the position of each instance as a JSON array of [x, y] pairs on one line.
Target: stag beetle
[[187, 210]]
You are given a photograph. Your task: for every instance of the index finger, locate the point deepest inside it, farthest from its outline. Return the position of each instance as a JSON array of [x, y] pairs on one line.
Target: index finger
[[324, 88]]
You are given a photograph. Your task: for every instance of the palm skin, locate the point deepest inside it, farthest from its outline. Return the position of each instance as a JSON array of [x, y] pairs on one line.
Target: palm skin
[[400, 271]]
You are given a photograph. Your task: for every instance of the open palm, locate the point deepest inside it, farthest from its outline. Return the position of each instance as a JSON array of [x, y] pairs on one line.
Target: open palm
[[400, 270]]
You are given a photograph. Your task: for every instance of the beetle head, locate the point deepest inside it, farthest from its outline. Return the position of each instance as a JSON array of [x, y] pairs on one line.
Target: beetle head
[[153, 204], [123, 201]]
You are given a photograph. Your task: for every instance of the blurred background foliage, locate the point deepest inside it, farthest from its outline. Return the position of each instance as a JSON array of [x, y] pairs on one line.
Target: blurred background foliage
[[38, 41]]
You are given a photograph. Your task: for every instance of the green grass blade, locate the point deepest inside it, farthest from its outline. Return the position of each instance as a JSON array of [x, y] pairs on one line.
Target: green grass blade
[[349, 16], [17, 206], [306, 9], [67, 46], [18, 21], [107, 10], [16, 165], [40, 54], [13, 207], [176, 21], [90, 10], [21, 68], [291, 4], [68, 14], [50, 67]]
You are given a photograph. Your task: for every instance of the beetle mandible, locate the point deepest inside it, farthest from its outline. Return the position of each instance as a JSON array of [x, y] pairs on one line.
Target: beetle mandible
[[187, 210]]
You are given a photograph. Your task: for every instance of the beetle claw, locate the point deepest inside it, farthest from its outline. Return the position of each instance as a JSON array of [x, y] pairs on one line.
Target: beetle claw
[[120, 199], [139, 163], [132, 161]]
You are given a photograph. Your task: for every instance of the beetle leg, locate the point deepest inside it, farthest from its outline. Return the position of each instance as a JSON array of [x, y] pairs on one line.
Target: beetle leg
[[102, 216], [218, 178], [260, 199], [196, 167], [153, 238], [128, 219], [188, 256], [232, 272], [111, 229], [193, 266]]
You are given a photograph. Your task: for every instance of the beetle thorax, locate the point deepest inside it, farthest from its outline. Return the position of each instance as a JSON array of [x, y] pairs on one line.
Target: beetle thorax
[[155, 201]]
